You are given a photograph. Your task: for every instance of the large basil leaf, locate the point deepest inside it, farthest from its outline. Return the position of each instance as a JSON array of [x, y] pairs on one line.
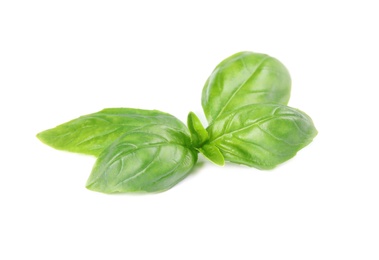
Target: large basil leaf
[[242, 79], [261, 135], [143, 162], [91, 134]]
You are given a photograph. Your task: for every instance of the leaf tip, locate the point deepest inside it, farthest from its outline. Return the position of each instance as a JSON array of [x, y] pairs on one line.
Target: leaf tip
[[93, 185], [42, 136], [219, 163]]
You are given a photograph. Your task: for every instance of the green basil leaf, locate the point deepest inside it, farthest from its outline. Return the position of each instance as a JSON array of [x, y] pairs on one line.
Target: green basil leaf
[[242, 79], [91, 134], [141, 162], [212, 153], [261, 135], [198, 133]]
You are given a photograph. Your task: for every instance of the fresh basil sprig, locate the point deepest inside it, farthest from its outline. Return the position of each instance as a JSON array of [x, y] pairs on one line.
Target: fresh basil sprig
[[138, 150]]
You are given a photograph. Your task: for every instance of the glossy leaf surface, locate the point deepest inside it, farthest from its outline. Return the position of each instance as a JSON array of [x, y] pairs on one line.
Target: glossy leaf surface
[[140, 162], [261, 135], [91, 134], [242, 79]]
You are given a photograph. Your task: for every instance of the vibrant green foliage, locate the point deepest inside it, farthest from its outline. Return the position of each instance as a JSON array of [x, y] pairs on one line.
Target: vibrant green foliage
[[142, 162], [91, 134], [212, 153], [242, 79], [244, 100], [198, 133], [261, 135]]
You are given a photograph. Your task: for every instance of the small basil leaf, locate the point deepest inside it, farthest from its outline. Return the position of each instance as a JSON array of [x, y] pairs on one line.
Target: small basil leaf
[[261, 135], [141, 162], [212, 153], [242, 79], [198, 133], [91, 134]]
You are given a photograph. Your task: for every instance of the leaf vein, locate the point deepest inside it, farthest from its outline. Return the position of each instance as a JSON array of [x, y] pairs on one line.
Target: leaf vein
[[141, 171], [240, 87]]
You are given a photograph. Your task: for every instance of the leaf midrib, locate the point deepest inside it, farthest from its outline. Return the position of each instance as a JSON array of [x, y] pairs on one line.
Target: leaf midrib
[[263, 120], [240, 87]]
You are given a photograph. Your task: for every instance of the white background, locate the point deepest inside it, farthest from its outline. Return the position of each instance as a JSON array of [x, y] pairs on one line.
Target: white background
[[63, 59]]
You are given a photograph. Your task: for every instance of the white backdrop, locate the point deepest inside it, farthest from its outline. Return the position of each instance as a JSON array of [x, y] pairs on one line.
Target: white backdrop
[[62, 59]]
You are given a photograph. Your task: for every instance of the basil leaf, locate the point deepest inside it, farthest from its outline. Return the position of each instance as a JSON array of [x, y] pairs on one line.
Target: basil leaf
[[198, 133], [242, 79], [91, 134], [141, 162], [212, 153], [261, 135]]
